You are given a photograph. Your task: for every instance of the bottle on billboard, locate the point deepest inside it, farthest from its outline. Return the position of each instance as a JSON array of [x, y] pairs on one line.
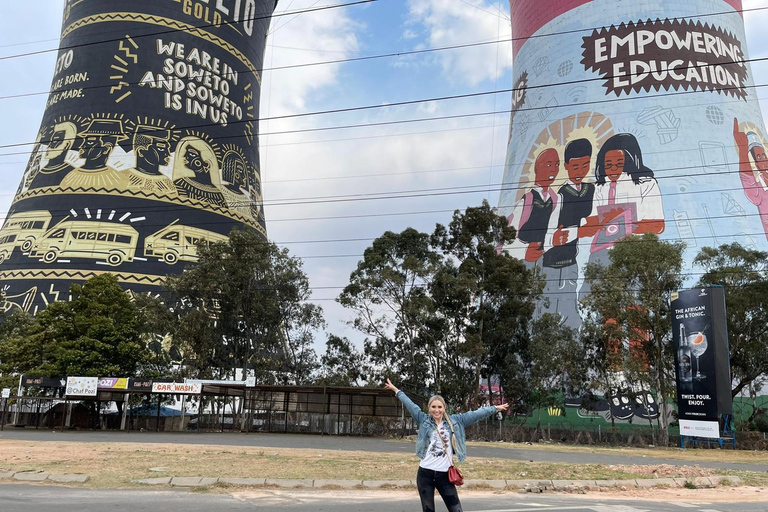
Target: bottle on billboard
[[684, 359]]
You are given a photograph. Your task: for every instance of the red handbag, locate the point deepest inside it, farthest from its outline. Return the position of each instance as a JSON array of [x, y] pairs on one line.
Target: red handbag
[[455, 476]]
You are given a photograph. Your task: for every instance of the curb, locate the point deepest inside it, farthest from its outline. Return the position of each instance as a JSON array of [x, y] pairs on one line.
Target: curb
[[39, 476], [536, 486]]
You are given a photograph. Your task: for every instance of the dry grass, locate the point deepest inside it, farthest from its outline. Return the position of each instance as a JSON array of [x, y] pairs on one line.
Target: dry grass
[[116, 465], [690, 455]]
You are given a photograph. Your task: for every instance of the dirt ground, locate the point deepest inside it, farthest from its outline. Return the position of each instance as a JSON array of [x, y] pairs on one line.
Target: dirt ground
[[116, 465]]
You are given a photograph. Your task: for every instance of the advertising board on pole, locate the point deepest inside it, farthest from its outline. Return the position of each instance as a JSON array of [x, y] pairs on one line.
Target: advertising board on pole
[[82, 386], [6, 393], [178, 388], [113, 383], [29, 381], [701, 359]]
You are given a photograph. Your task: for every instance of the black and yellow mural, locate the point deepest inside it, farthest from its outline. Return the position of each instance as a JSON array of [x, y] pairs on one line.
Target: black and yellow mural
[[147, 147]]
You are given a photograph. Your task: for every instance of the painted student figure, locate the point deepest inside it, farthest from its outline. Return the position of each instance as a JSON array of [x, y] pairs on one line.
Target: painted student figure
[[532, 213], [755, 184], [627, 199], [562, 243], [440, 437], [625, 189]]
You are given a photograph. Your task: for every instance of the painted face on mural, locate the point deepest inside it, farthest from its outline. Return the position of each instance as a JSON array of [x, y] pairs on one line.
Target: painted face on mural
[[614, 164], [233, 173], [546, 167], [59, 145], [159, 153], [577, 168], [760, 158], [96, 149], [193, 159]]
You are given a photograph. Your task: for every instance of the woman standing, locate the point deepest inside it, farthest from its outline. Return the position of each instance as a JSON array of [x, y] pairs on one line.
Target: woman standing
[[440, 436]]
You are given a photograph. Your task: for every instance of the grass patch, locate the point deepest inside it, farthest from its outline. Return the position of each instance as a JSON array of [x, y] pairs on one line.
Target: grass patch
[[690, 454], [116, 465]]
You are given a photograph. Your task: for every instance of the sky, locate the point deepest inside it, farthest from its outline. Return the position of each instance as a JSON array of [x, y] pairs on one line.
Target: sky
[[458, 162]]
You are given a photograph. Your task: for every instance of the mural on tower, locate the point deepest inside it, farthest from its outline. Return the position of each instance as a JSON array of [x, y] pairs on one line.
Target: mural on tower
[[621, 120], [629, 118], [148, 146]]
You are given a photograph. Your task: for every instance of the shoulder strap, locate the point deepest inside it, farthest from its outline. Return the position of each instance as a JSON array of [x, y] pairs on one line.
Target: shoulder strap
[[453, 436]]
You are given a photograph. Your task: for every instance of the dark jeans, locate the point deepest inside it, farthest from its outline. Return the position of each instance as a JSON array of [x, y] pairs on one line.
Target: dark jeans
[[427, 481]]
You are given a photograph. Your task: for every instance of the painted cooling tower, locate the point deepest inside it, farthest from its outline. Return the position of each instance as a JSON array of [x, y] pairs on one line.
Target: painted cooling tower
[[148, 145], [630, 117]]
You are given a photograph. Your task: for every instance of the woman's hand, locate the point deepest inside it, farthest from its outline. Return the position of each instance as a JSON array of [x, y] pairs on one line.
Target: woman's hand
[[391, 386], [502, 408]]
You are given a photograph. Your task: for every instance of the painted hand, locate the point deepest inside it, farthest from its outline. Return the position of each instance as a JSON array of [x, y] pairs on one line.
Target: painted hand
[[560, 237]]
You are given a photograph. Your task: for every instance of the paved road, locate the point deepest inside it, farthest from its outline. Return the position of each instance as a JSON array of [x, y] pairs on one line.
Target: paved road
[[315, 442], [30, 498]]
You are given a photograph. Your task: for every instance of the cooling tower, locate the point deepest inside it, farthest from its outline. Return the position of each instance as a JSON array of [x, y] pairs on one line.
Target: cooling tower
[[148, 146], [630, 118]]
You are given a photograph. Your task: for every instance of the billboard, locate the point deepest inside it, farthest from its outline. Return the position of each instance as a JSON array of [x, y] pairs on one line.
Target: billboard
[[630, 118], [82, 386], [148, 146], [702, 363]]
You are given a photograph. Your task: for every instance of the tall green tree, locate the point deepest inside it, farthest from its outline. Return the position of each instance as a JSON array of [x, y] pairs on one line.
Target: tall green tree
[[556, 367], [17, 353], [245, 305], [743, 273], [388, 297], [630, 297], [487, 300], [341, 364], [98, 333]]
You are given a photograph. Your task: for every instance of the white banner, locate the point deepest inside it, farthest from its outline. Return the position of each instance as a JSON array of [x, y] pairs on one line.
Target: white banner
[[696, 428], [218, 382], [6, 393], [177, 388], [82, 386]]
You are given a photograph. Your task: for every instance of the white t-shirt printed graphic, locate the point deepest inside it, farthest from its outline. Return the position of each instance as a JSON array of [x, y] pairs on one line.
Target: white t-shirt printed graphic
[[436, 458]]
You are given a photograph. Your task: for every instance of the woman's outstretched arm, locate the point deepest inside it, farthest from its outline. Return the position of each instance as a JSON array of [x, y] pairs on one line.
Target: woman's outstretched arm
[[413, 409], [471, 417]]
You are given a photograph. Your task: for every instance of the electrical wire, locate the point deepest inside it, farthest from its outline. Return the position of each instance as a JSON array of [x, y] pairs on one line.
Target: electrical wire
[[413, 102], [173, 31], [286, 13], [430, 192]]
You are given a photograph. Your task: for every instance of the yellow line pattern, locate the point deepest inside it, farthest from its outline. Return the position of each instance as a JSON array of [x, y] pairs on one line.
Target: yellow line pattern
[[163, 22], [146, 279], [44, 191]]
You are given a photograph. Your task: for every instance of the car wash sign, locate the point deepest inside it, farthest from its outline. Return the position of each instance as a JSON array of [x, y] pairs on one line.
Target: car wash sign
[[177, 388]]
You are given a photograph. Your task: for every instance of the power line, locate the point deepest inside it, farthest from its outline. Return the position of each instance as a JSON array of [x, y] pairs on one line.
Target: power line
[[173, 31], [306, 64], [403, 121], [429, 192], [291, 13]]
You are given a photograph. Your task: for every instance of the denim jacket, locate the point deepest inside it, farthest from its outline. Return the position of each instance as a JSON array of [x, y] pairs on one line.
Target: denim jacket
[[427, 425]]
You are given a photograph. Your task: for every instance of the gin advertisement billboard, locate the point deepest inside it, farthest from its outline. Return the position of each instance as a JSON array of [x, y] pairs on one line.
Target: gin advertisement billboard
[[701, 357]]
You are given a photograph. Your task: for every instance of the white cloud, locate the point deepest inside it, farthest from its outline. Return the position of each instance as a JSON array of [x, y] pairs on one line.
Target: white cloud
[[314, 37], [461, 22]]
